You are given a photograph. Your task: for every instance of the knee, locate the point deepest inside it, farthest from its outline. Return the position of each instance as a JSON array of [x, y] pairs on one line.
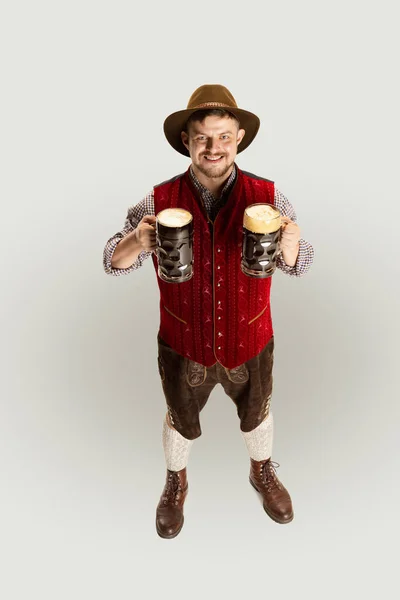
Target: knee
[[255, 414]]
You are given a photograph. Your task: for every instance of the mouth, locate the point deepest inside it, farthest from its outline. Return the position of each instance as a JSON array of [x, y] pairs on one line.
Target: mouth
[[213, 159]]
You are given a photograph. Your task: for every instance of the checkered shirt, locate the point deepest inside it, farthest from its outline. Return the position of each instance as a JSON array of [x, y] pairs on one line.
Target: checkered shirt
[[212, 206]]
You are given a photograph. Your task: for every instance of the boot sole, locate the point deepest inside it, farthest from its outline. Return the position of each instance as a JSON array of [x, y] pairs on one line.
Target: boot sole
[[267, 511], [169, 537]]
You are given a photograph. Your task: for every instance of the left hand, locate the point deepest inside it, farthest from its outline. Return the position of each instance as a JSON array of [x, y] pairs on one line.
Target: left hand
[[290, 235]]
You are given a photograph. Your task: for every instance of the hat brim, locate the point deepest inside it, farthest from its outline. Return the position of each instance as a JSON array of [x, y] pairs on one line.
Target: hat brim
[[175, 124]]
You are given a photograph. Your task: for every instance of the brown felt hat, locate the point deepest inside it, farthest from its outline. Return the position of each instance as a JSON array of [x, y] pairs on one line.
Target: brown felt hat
[[210, 96]]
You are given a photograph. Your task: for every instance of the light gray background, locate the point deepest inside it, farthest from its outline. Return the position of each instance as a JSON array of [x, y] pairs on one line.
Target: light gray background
[[86, 87]]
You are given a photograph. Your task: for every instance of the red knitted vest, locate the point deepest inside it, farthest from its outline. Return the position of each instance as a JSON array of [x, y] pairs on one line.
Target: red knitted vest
[[220, 314]]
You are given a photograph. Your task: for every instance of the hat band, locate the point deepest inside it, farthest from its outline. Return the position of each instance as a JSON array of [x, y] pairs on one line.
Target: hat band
[[207, 104]]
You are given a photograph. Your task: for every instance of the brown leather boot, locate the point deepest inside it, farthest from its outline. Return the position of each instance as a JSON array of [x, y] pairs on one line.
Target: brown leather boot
[[277, 503], [169, 519]]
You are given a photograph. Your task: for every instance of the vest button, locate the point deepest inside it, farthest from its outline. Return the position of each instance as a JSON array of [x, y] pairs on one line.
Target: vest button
[[219, 347], [219, 318]]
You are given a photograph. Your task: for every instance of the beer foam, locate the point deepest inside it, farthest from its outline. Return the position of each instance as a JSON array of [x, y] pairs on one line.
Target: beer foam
[[174, 217], [262, 218]]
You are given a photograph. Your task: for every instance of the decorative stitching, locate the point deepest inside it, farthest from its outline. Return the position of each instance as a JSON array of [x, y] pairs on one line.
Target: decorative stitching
[[239, 374], [205, 104], [196, 373]]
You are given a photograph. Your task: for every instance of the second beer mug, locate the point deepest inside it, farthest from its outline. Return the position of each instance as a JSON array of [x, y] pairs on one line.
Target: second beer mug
[[174, 228], [261, 234]]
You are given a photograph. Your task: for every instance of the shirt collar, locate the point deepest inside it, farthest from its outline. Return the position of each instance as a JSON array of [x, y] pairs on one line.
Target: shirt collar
[[227, 187]]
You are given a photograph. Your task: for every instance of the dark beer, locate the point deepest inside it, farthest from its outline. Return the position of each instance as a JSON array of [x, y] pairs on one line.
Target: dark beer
[[261, 235], [174, 227]]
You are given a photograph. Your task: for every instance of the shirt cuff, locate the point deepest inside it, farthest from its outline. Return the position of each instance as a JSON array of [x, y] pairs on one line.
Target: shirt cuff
[[109, 252], [303, 263]]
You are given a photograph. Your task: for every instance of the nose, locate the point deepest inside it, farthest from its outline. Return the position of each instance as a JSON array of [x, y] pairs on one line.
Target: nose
[[212, 144]]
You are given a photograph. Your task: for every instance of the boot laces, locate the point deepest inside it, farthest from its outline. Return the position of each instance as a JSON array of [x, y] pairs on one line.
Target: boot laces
[[269, 476], [172, 488]]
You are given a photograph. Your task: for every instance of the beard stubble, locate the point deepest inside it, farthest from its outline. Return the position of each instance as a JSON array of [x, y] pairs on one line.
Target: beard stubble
[[213, 173]]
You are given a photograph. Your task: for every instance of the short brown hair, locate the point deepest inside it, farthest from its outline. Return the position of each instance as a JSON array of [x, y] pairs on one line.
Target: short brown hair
[[200, 115]]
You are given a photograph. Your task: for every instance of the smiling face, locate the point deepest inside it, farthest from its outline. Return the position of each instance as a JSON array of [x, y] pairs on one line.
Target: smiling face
[[212, 145]]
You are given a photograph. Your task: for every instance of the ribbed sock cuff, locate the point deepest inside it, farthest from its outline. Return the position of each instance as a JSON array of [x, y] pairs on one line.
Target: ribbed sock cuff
[[176, 448], [259, 440]]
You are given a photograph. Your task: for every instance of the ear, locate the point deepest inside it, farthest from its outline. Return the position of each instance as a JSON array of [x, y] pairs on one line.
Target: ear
[[240, 135], [185, 139]]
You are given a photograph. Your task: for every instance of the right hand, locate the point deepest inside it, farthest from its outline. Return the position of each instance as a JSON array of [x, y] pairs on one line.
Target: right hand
[[146, 233]]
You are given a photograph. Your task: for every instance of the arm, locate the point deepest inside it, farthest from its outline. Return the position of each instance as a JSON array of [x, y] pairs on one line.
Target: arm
[[297, 254], [125, 251]]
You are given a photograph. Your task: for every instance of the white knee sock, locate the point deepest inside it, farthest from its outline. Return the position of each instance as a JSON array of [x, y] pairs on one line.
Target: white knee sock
[[259, 440], [176, 448]]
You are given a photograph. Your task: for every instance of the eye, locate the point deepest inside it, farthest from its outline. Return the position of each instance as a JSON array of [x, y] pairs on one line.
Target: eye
[[201, 138], [225, 136]]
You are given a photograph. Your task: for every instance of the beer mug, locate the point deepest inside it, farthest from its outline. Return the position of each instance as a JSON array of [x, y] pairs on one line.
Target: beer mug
[[261, 235], [174, 233]]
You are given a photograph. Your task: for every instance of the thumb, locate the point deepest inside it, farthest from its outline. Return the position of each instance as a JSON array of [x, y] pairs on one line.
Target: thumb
[[285, 221]]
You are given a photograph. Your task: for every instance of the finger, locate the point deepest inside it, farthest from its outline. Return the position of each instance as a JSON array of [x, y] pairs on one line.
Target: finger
[[151, 219], [149, 244], [149, 228], [289, 233], [290, 237], [150, 236], [290, 226], [289, 246], [291, 229]]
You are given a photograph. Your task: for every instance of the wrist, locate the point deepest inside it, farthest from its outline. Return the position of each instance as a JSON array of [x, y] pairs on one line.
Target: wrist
[[136, 240], [290, 254]]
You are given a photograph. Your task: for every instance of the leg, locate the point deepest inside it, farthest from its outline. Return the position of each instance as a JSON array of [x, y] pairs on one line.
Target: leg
[[187, 386], [176, 447], [186, 391], [259, 440], [253, 399]]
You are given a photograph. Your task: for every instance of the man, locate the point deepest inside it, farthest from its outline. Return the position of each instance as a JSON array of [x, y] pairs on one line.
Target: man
[[215, 328]]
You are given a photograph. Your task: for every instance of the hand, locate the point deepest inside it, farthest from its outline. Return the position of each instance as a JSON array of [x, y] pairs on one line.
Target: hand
[[290, 235], [145, 233]]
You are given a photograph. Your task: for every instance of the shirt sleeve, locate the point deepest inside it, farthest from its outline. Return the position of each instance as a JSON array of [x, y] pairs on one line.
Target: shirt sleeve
[[134, 215], [306, 251]]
